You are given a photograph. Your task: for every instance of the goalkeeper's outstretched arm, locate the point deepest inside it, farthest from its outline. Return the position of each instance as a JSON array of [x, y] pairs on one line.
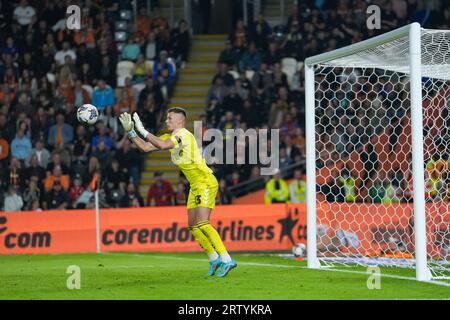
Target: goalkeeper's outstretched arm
[[128, 125], [142, 145], [151, 138]]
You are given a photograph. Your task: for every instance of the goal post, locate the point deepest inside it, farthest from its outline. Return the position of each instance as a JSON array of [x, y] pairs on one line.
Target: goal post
[[373, 112]]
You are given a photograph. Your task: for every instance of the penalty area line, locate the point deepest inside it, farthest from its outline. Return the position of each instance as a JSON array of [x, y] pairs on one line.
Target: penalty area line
[[256, 264]]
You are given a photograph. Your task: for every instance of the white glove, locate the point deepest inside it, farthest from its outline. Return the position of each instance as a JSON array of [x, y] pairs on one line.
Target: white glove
[[139, 126], [127, 123]]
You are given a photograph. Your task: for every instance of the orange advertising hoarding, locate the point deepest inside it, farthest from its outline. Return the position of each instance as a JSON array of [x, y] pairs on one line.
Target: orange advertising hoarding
[[242, 227]]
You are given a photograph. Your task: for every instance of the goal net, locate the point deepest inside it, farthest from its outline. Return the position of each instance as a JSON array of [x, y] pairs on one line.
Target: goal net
[[379, 179]]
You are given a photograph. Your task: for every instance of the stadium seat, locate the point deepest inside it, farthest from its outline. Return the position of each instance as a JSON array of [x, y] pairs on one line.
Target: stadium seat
[[249, 74], [289, 66], [88, 88], [300, 65], [234, 74], [125, 15], [120, 36], [174, 66], [51, 77], [138, 87], [123, 71], [151, 62], [120, 46], [121, 25]]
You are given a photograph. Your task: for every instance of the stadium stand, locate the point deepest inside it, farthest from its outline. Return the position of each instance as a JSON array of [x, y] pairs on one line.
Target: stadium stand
[[47, 70]]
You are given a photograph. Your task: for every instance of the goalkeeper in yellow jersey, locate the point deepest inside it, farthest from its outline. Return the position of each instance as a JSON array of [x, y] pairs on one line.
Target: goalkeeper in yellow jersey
[[186, 155]]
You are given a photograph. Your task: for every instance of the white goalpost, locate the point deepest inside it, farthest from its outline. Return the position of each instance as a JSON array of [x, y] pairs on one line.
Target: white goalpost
[[377, 146]]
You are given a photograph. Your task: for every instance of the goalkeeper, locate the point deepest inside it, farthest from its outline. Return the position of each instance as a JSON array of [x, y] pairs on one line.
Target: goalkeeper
[[202, 195]]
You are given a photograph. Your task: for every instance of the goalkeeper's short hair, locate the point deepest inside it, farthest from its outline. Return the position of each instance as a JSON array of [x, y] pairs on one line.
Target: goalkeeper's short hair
[[178, 110]]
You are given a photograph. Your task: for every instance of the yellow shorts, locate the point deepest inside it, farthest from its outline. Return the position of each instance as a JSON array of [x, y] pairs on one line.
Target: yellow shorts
[[203, 194]]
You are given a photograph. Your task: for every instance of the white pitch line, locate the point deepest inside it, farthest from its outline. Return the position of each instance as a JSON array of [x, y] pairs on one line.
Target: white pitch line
[[256, 264]]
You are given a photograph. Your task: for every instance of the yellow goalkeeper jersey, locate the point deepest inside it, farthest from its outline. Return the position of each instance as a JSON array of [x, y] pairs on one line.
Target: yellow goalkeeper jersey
[[186, 155]]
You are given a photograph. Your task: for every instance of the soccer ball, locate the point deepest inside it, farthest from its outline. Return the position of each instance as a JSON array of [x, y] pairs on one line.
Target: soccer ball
[[299, 250], [87, 114]]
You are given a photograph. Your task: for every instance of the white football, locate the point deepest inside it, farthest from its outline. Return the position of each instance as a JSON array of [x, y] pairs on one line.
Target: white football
[[87, 114], [299, 250]]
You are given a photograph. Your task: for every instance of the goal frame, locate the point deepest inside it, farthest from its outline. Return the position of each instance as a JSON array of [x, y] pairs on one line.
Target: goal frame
[[413, 31]]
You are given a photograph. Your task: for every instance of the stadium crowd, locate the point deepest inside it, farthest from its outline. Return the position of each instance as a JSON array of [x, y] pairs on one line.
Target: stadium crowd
[[47, 159]]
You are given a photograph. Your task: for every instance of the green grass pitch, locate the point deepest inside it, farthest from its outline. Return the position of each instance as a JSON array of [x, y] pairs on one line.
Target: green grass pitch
[[170, 276]]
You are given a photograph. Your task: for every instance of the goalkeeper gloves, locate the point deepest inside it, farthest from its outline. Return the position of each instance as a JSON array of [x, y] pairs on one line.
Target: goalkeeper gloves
[[128, 125], [139, 126]]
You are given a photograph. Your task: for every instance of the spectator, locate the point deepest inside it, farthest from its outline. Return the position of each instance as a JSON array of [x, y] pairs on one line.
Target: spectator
[[163, 72], [149, 114], [235, 178], [180, 40], [81, 145], [224, 196], [377, 191], [129, 159], [10, 50], [34, 169], [21, 146], [102, 153], [60, 56], [392, 193], [229, 55], [60, 132], [239, 36], [251, 59], [103, 96], [81, 95], [103, 136], [25, 15], [4, 150], [279, 78], [131, 50], [31, 194], [56, 198], [57, 177], [130, 198], [56, 162], [262, 80], [106, 71], [115, 175], [76, 189], [222, 72], [180, 196], [273, 55], [153, 88], [86, 74], [7, 129], [24, 105], [86, 199], [151, 47], [141, 70], [277, 191], [143, 21], [297, 188], [284, 162], [66, 84], [228, 122], [347, 181], [217, 91], [13, 201], [250, 115], [160, 192], [16, 173], [232, 101]]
